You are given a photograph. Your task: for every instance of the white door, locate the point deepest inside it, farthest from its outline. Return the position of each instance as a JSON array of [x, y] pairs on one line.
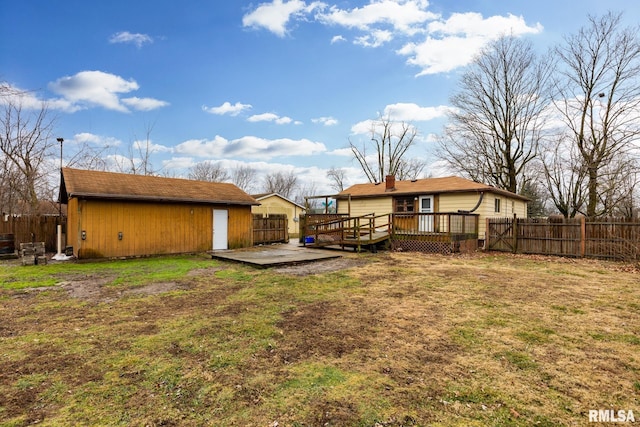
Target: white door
[[426, 221], [220, 229]]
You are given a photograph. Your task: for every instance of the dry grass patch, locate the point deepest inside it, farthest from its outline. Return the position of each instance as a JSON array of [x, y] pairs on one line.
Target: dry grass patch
[[396, 339]]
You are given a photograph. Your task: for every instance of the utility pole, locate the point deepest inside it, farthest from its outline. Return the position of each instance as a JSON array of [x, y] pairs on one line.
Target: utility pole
[[60, 255]]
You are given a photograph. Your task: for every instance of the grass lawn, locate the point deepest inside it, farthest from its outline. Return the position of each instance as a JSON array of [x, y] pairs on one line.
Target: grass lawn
[[395, 339]]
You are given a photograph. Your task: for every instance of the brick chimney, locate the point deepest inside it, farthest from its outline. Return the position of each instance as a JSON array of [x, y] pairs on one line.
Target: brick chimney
[[390, 182]]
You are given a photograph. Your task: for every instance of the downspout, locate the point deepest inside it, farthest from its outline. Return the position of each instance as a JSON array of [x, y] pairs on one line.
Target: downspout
[[475, 207]]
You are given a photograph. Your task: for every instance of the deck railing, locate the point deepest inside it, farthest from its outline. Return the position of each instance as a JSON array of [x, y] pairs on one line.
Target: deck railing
[[432, 232], [344, 230], [450, 226]]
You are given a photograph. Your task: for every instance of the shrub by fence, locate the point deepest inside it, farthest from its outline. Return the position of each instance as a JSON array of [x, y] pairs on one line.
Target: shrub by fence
[[611, 238]]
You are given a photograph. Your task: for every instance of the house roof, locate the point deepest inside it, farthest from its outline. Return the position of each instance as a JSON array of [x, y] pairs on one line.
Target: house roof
[[450, 184], [110, 185], [263, 196]]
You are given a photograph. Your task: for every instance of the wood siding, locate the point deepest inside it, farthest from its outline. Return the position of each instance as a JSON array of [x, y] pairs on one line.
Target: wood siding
[[150, 228]]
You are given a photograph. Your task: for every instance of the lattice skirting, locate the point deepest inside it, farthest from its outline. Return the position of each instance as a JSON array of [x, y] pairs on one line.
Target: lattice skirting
[[434, 247], [421, 246]]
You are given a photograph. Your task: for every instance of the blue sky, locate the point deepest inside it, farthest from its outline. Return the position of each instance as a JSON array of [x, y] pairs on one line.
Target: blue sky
[[280, 85]]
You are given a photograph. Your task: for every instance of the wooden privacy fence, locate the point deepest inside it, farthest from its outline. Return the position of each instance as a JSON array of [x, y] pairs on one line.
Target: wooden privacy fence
[[272, 228], [33, 228], [611, 238]]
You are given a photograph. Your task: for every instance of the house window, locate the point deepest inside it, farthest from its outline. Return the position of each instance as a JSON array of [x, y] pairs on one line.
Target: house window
[[497, 205], [405, 204]]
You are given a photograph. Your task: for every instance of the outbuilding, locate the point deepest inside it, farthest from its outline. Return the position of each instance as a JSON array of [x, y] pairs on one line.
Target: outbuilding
[[123, 215], [274, 203]]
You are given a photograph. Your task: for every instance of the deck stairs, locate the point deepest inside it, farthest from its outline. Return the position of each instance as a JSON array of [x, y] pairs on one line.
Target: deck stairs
[[350, 232]]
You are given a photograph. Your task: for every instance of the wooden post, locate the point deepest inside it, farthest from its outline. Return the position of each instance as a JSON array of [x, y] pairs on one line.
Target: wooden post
[[583, 232], [487, 236], [514, 230]]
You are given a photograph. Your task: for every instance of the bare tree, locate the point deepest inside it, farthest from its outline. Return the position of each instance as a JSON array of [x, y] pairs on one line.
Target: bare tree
[[536, 207], [629, 205], [90, 157], [25, 146], [337, 178], [209, 171], [619, 180], [496, 125], [244, 177], [138, 159], [564, 176], [283, 183], [309, 189], [411, 169], [384, 154], [599, 98]]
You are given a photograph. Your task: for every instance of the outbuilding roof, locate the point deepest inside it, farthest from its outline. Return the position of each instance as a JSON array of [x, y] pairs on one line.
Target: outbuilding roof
[[110, 185], [449, 184], [263, 196]]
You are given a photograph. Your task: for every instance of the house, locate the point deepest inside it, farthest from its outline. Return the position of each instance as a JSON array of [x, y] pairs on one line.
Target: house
[[274, 203], [122, 215], [432, 195]]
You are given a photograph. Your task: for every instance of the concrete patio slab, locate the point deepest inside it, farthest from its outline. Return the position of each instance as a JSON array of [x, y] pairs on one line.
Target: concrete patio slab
[[275, 255]]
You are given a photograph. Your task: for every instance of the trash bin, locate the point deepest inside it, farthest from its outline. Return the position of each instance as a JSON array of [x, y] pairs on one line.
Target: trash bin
[[7, 243]]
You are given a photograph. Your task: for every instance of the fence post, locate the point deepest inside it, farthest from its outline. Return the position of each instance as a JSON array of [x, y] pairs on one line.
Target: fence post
[[583, 237], [487, 235], [514, 230]]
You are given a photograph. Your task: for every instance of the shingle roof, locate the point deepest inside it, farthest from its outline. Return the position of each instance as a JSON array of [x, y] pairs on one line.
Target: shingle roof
[[110, 185], [262, 196], [450, 184]]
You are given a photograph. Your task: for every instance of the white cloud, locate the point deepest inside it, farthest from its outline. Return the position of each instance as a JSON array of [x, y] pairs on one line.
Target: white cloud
[[271, 117], [473, 24], [343, 152], [249, 147], [133, 38], [227, 108], [440, 169], [410, 112], [365, 127], [99, 140], [327, 121], [97, 88], [276, 15], [430, 42], [375, 39], [144, 145], [404, 16], [30, 101], [179, 163], [454, 43], [144, 104]]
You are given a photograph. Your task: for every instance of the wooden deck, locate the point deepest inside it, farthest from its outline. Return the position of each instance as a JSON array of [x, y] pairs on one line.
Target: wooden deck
[[438, 232]]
